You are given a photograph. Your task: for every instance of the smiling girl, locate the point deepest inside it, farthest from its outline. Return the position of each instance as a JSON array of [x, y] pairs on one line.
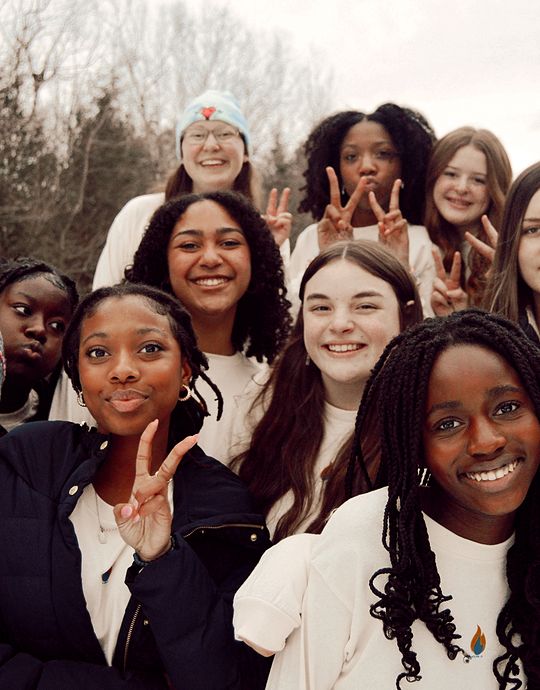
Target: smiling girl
[[36, 305], [293, 444], [514, 285], [447, 596], [467, 180], [122, 546]]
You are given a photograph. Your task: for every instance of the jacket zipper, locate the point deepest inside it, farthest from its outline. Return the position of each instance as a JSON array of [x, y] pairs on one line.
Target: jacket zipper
[[130, 633], [196, 529]]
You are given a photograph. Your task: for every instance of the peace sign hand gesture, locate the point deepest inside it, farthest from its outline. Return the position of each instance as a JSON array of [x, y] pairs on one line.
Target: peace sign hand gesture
[[393, 228], [336, 225], [484, 249], [278, 219], [448, 295], [145, 522]]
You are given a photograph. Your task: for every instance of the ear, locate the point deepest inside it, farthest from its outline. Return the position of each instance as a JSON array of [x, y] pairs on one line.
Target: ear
[[186, 372]]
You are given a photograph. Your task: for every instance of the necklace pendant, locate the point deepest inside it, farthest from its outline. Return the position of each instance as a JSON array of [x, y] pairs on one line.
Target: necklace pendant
[[102, 537], [106, 575]]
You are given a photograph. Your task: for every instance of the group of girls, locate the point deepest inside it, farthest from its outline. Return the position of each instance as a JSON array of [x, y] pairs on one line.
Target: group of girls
[[124, 541]]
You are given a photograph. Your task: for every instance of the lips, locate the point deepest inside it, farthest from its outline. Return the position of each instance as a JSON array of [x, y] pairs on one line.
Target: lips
[[33, 350], [340, 348], [210, 281], [127, 400], [459, 203], [495, 473], [212, 162]]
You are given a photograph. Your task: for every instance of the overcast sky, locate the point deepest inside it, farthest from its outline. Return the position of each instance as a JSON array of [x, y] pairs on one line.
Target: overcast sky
[[460, 62]]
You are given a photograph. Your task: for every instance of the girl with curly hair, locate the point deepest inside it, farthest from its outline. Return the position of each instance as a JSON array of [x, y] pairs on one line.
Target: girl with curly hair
[[293, 434], [215, 253], [213, 145], [513, 288], [447, 595], [467, 180], [365, 178]]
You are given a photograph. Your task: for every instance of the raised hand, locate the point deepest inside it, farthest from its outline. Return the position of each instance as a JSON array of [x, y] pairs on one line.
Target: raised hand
[[336, 224], [278, 219], [393, 228], [145, 522], [486, 250], [448, 295]]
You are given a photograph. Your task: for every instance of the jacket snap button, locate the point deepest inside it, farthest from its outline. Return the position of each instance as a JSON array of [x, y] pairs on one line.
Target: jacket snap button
[[253, 537], [104, 445], [73, 490], [145, 621]]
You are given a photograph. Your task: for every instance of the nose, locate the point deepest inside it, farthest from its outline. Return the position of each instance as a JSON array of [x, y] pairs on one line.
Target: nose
[[462, 184], [36, 328], [485, 439], [341, 320], [211, 143], [123, 368], [367, 164], [210, 257]]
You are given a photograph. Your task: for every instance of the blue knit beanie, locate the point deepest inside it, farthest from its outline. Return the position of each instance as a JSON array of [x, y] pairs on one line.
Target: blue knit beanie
[[212, 105]]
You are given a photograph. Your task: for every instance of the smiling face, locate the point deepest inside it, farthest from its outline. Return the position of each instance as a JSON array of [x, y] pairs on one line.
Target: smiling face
[[367, 150], [130, 366], [34, 314], [213, 162], [460, 192], [529, 247], [209, 262], [481, 443], [349, 318]]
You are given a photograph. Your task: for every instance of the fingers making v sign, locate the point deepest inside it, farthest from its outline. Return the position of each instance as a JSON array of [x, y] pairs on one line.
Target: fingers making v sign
[[393, 228], [145, 521], [448, 295], [484, 249], [277, 217], [336, 223]]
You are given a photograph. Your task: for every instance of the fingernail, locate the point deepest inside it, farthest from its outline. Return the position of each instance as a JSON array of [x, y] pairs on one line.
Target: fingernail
[[126, 511]]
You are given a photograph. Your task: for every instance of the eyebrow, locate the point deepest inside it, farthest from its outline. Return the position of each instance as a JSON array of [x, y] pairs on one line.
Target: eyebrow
[[491, 394], [193, 232], [140, 331], [531, 220], [456, 167], [359, 295], [380, 142]]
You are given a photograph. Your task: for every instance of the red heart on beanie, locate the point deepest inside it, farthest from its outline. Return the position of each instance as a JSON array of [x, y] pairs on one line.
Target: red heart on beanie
[[208, 112]]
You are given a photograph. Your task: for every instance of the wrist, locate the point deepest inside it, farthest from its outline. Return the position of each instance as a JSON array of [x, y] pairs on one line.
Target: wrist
[[142, 561]]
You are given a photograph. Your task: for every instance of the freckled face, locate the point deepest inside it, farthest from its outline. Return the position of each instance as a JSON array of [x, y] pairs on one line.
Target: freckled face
[[130, 366], [481, 441]]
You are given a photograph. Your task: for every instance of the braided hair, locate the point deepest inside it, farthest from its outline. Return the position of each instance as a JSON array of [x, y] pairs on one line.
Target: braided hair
[[180, 322], [26, 267], [413, 588]]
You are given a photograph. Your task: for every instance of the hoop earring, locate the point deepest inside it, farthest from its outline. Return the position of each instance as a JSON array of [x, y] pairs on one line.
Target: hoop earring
[[186, 395], [80, 399]]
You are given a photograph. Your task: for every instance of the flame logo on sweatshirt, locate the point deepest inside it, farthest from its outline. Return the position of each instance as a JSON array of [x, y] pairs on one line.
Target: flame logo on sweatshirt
[[478, 642]]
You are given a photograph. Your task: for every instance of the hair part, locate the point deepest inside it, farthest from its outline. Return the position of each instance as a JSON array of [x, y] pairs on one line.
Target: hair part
[[412, 589], [499, 177]]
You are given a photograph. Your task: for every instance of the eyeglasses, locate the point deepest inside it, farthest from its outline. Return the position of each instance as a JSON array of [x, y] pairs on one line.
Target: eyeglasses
[[222, 136]]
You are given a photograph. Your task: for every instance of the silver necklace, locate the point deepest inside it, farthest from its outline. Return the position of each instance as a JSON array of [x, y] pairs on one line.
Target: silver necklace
[[102, 531]]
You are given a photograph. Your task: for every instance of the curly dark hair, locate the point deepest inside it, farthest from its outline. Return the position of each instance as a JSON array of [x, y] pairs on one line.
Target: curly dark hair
[[411, 134], [180, 322], [262, 320], [413, 590], [25, 267]]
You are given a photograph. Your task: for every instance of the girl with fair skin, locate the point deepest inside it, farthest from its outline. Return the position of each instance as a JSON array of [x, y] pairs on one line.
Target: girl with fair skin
[[467, 180], [132, 593], [514, 288], [292, 435]]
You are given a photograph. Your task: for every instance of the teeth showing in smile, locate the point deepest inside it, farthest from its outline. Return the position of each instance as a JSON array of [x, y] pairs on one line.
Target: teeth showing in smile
[[492, 475], [212, 161], [350, 347], [211, 282]]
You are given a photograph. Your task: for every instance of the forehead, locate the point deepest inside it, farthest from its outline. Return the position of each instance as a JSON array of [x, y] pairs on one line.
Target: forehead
[[533, 209], [463, 372], [205, 215], [344, 279], [366, 133], [41, 290], [469, 158], [205, 124], [125, 315]]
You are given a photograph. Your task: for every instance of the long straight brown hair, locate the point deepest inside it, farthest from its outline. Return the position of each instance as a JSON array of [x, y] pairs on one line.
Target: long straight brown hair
[[499, 177], [506, 292], [286, 442]]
